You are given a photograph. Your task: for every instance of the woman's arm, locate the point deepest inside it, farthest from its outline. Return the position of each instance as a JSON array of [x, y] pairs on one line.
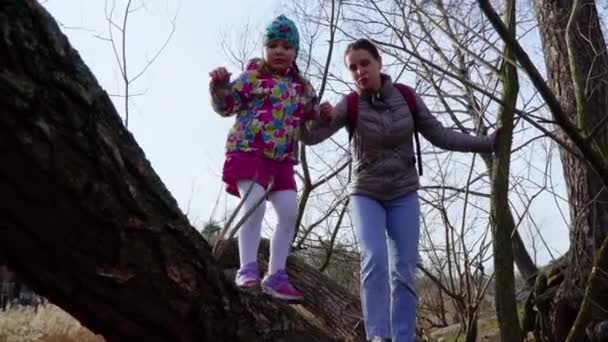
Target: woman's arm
[[320, 129], [445, 138]]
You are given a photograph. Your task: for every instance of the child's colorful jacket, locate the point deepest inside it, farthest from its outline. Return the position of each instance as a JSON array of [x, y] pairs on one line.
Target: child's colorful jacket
[[270, 109]]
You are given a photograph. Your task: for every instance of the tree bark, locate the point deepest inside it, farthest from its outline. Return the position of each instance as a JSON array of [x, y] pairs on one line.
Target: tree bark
[[501, 218], [587, 195], [86, 222], [335, 310]]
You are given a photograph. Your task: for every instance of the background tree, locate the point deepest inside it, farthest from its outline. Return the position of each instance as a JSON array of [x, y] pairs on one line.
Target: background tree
[[577, 95], [118, 19]]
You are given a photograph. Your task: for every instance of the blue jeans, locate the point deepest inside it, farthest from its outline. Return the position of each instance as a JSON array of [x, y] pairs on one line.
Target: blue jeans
[[387, 233]]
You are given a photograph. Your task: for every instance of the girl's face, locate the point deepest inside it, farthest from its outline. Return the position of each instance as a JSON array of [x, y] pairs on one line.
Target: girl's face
[[364, 69], [279, 54]]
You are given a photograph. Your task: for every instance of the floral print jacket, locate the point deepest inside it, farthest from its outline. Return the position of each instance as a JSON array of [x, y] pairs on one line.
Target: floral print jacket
[[270, 108]]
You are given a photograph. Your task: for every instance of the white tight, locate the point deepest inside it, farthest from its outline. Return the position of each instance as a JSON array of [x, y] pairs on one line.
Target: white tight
[[285, 205]]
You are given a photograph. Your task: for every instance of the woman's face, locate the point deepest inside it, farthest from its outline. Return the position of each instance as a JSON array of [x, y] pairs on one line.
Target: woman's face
[[364, 69], [279, 54]]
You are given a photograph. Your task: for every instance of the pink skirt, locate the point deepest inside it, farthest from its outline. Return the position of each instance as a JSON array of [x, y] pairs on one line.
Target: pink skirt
[[250, 166]]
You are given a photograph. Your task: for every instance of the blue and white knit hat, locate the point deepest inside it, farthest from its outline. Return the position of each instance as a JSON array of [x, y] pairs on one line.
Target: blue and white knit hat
[[285, 29]]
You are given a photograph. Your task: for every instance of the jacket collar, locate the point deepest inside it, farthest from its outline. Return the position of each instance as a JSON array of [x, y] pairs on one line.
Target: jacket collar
[[377, 99], [383, 93]]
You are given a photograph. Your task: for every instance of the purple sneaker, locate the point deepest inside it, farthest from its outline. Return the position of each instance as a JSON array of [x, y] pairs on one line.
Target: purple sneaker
[[248, 276], [277, 285]]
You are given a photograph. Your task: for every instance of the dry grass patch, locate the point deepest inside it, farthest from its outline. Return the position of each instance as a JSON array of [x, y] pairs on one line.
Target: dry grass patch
[[49, 324]]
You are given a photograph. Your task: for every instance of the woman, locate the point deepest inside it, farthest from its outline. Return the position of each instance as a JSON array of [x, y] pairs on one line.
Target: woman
[[384, 201]]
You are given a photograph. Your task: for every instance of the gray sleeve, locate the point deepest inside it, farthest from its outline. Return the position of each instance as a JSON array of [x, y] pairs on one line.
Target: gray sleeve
[[448, 139], [314, 132]]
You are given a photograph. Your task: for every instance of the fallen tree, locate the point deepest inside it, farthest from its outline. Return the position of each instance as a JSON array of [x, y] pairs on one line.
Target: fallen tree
[[86, 222]]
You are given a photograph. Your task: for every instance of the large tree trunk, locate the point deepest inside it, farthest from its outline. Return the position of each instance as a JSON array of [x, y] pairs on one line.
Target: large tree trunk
[[587, 196], [86, 222]]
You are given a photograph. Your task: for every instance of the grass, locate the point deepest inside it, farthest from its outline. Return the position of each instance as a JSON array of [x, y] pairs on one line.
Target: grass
[[487, 329], [49, 324]]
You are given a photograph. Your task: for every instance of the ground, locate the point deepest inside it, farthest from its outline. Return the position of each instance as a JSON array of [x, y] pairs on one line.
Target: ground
[[51, 324], [47, 324]]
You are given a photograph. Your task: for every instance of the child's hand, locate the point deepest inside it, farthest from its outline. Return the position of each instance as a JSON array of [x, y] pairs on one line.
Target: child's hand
[[325, 110], [220, 75]]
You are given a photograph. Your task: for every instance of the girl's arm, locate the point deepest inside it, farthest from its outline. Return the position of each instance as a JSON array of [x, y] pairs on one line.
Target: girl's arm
[[227, 98]]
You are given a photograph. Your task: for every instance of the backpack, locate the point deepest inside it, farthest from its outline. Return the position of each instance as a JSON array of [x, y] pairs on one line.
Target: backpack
[[352, 115]]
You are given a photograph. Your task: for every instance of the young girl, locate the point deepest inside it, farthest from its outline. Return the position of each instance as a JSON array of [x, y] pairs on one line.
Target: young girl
[[271, 101]]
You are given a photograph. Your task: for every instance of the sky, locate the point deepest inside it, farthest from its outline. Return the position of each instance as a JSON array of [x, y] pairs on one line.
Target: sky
[[172, 119]]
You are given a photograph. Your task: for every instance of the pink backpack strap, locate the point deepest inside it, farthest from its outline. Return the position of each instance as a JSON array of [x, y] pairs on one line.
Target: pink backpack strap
[[352, 113], [410, 97]]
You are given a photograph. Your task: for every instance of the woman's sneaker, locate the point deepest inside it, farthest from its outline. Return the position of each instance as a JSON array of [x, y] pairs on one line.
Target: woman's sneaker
[[277, 285], [248, 276]]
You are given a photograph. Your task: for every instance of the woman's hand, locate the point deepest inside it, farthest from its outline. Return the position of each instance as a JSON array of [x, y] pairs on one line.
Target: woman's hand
[[495, 137], [220, 75]]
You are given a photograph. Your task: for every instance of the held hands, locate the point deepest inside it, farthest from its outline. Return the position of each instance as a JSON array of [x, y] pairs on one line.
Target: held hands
[[220, 75], [325, 110]]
